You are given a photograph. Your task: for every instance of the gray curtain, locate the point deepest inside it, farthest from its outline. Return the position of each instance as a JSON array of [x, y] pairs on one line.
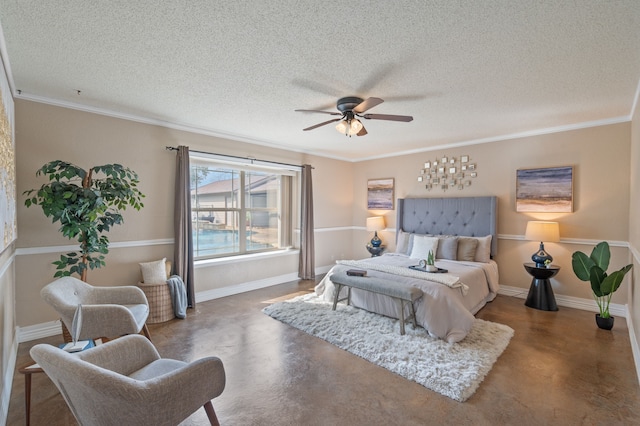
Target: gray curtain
[[306, 264], [183, 249]]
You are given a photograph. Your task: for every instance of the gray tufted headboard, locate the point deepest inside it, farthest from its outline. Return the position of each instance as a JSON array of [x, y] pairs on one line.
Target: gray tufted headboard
[[467, 216]]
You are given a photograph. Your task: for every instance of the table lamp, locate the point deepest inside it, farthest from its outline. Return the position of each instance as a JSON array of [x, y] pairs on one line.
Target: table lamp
[[375, 224], [538, 230]]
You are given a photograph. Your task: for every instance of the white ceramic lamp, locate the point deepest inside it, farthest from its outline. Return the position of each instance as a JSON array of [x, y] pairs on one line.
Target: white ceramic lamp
[[375, 224]]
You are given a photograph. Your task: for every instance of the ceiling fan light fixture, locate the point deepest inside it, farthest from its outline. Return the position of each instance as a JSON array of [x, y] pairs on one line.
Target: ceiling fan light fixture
[[355, 127], [342, 127], [349, 127], [351, 107]]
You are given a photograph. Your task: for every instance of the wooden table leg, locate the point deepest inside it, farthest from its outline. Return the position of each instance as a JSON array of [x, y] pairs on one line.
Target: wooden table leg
[[27, 396], [28, 370]]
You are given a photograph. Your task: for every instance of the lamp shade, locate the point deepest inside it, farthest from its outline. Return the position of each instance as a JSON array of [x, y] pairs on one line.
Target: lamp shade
[[538, 230], [375, 223], [342, 127]]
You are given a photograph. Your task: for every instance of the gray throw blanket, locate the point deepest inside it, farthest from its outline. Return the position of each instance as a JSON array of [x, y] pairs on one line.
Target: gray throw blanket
[[178, 296]]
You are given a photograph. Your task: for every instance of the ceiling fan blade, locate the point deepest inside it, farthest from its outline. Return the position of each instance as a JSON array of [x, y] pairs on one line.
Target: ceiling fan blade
[[323, 123], [316, 110], [367, 104], [405, 118], [362, 132]]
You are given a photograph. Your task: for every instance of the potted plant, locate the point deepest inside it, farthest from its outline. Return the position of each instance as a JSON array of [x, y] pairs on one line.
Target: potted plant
[[593, 269], [87, 204], [431, 265]]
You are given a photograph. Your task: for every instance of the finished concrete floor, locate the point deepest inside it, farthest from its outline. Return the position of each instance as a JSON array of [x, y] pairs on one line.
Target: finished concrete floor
[[559, 369]]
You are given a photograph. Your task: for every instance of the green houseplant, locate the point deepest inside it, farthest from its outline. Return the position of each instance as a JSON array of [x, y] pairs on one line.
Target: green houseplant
[[593, 269], [87, 204]]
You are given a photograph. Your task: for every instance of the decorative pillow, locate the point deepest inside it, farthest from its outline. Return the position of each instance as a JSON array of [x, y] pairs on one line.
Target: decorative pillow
[[422, 245], [154, 272], [467, 249], [402, 246], [447, 248], [483, 251]]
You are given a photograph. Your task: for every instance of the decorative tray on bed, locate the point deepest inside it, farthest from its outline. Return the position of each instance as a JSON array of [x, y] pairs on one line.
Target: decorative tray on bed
[[419, 268]]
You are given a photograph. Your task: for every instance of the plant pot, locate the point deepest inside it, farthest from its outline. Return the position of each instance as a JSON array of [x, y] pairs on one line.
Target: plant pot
[[604, 323], [431, 268]]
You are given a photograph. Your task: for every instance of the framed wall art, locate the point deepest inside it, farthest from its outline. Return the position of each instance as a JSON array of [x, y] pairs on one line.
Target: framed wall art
[[547, 190], [8, 198], [380, 193]]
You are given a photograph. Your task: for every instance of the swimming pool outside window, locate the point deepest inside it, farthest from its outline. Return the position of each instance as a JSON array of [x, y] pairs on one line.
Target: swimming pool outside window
[[238, 209]]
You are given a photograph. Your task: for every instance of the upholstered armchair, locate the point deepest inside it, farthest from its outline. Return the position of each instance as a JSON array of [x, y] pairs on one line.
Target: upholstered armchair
[[106, 311], [125, 382]]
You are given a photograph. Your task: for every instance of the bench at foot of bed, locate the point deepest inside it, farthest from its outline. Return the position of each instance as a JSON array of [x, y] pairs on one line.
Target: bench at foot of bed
[[401, 294]]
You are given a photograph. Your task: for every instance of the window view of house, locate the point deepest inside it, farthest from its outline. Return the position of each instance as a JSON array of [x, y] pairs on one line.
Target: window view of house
[[235, 210]]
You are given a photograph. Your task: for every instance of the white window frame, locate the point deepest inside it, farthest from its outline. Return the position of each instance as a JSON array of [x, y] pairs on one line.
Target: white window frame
[[288, 175]]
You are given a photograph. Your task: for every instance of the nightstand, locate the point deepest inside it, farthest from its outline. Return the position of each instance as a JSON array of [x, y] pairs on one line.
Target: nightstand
[[541, 293], [375, 251]]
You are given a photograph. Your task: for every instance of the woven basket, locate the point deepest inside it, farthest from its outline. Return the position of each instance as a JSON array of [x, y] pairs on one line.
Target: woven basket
[[160, 305], [66, 334]]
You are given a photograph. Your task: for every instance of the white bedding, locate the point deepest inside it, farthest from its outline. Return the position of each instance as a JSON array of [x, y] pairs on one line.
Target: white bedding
[[443, 311]]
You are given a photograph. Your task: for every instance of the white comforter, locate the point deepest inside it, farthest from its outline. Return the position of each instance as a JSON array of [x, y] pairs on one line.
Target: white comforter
[[443, 311]]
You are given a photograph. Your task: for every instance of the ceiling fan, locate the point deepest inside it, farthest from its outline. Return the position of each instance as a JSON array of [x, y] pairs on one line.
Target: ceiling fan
[[352, 107]]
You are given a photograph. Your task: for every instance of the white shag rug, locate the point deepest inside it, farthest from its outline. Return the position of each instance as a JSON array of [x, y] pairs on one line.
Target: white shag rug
[[451, 369]]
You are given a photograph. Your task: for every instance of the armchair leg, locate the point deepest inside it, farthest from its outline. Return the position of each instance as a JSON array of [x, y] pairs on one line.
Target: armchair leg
[[213, 419], [145, 331]]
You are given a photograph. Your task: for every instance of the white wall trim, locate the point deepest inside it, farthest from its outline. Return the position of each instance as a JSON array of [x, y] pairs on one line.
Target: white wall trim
[[241, 138], [169, 241], [39, 331], [9, 262], [635, 102], [583, 241], [334, 229], [635, 345], [529, 133], [217, 293], [121, 244], [217, 261], [8, 380], [142, 243], [567, 301]]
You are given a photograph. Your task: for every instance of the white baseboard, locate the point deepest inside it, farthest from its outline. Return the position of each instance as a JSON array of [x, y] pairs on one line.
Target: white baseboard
[[52, 328], [567, 301], [39, 331]]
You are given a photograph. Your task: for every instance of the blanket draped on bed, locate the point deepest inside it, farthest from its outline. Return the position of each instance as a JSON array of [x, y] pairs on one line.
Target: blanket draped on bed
[[445, 279]]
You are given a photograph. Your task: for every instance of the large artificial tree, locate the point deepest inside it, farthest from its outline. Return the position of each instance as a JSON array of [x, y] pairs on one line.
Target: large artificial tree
[[87, 204]]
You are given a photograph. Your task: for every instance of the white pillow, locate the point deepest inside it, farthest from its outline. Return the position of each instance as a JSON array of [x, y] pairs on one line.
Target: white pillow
[[483, 251], [402, 245], [154, 272], [422, 245]]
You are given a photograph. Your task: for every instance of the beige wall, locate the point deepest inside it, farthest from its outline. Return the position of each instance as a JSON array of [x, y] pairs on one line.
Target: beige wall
[[45, 133], [634, 228], [600, 157]]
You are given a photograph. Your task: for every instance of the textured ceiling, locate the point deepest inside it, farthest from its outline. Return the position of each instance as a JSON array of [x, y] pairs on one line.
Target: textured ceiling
[[466, 71]]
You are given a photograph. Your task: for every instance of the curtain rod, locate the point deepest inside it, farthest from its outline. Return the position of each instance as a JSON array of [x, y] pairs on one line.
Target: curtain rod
[[173, 148]]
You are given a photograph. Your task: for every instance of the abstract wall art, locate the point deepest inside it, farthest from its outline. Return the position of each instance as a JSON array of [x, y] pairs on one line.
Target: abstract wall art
[[548, 190]]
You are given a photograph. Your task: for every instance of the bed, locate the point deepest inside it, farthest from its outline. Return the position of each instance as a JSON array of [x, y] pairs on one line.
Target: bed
[[451, 299]]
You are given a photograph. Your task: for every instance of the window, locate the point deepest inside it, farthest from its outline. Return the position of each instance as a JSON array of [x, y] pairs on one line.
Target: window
[[239, 208]]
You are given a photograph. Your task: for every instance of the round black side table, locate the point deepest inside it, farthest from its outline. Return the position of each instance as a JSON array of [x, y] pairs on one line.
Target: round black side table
[[541, 293]]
